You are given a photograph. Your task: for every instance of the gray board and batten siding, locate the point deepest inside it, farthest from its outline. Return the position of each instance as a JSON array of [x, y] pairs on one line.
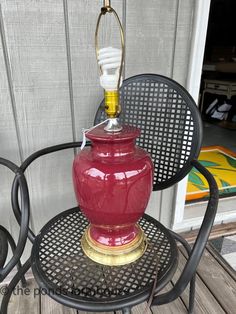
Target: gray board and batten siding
[[49, 86]]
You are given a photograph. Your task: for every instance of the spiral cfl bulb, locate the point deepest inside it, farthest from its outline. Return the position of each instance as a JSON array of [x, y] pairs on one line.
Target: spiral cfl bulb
[[109, 60]]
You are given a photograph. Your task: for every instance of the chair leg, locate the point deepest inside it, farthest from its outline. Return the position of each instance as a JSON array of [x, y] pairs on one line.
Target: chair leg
[[13, 247], [192, 294], [12, 285], [188, 249]]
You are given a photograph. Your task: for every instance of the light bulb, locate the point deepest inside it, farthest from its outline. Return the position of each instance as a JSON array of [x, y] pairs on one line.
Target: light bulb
[[109, 59]]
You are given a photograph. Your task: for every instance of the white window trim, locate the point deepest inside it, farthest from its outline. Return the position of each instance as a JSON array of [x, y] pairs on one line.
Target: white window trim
[[201, 15]]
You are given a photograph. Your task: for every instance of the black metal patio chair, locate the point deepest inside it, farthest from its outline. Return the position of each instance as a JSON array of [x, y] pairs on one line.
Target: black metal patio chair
[[171, 131]]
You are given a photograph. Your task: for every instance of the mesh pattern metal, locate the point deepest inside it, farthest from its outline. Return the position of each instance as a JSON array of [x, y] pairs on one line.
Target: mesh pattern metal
[[169, 122], [61, 262]]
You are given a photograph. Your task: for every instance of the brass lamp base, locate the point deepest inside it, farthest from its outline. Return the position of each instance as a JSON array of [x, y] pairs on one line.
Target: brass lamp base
[[114, 256]]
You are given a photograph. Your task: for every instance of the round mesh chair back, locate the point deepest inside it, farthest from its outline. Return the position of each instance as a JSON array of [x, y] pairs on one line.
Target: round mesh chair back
[[169, 120]]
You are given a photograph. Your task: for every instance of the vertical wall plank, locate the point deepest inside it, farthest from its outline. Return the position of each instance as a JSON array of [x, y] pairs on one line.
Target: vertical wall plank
[[150, 44], [150, 30], [35, 34], [9, 148], [184, 30]]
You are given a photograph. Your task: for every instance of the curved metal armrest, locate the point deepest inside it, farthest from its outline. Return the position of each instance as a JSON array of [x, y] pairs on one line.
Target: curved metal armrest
[[24, 166], [24, 219], [200, 243], [3, 246]]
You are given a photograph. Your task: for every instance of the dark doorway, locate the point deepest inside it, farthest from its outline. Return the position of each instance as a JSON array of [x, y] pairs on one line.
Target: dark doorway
[[218, 84]]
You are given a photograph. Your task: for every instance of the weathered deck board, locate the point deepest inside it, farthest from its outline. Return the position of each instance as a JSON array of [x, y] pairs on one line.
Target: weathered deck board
[[205, 302], [141, 309], [49, 306], [224, 229], [82, 312], [215, 293], [25, 300], [175, 307], [218, 281], [221, 261]]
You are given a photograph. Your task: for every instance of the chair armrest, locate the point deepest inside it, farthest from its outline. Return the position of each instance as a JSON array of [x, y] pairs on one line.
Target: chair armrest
[[24, 166], [200, 243], [3, 246], [24, 219]]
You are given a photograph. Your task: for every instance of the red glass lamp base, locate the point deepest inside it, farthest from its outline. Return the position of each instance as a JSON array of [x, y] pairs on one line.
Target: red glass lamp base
[[113, 182]]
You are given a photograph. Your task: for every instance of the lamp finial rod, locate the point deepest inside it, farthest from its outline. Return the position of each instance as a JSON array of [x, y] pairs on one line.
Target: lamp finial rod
[[106, 3]]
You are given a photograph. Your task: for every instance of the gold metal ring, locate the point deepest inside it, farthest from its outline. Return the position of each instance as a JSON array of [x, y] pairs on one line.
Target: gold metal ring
[[114, 256]]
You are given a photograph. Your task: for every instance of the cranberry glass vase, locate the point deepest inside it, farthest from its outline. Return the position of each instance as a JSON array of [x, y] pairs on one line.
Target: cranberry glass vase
[[113, 182]]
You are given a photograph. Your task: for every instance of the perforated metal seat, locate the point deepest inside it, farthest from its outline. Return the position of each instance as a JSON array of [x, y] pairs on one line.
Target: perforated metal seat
[[69, 276]]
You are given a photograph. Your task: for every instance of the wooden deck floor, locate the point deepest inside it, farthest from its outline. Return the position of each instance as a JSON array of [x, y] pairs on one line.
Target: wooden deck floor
[[215, 293]]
